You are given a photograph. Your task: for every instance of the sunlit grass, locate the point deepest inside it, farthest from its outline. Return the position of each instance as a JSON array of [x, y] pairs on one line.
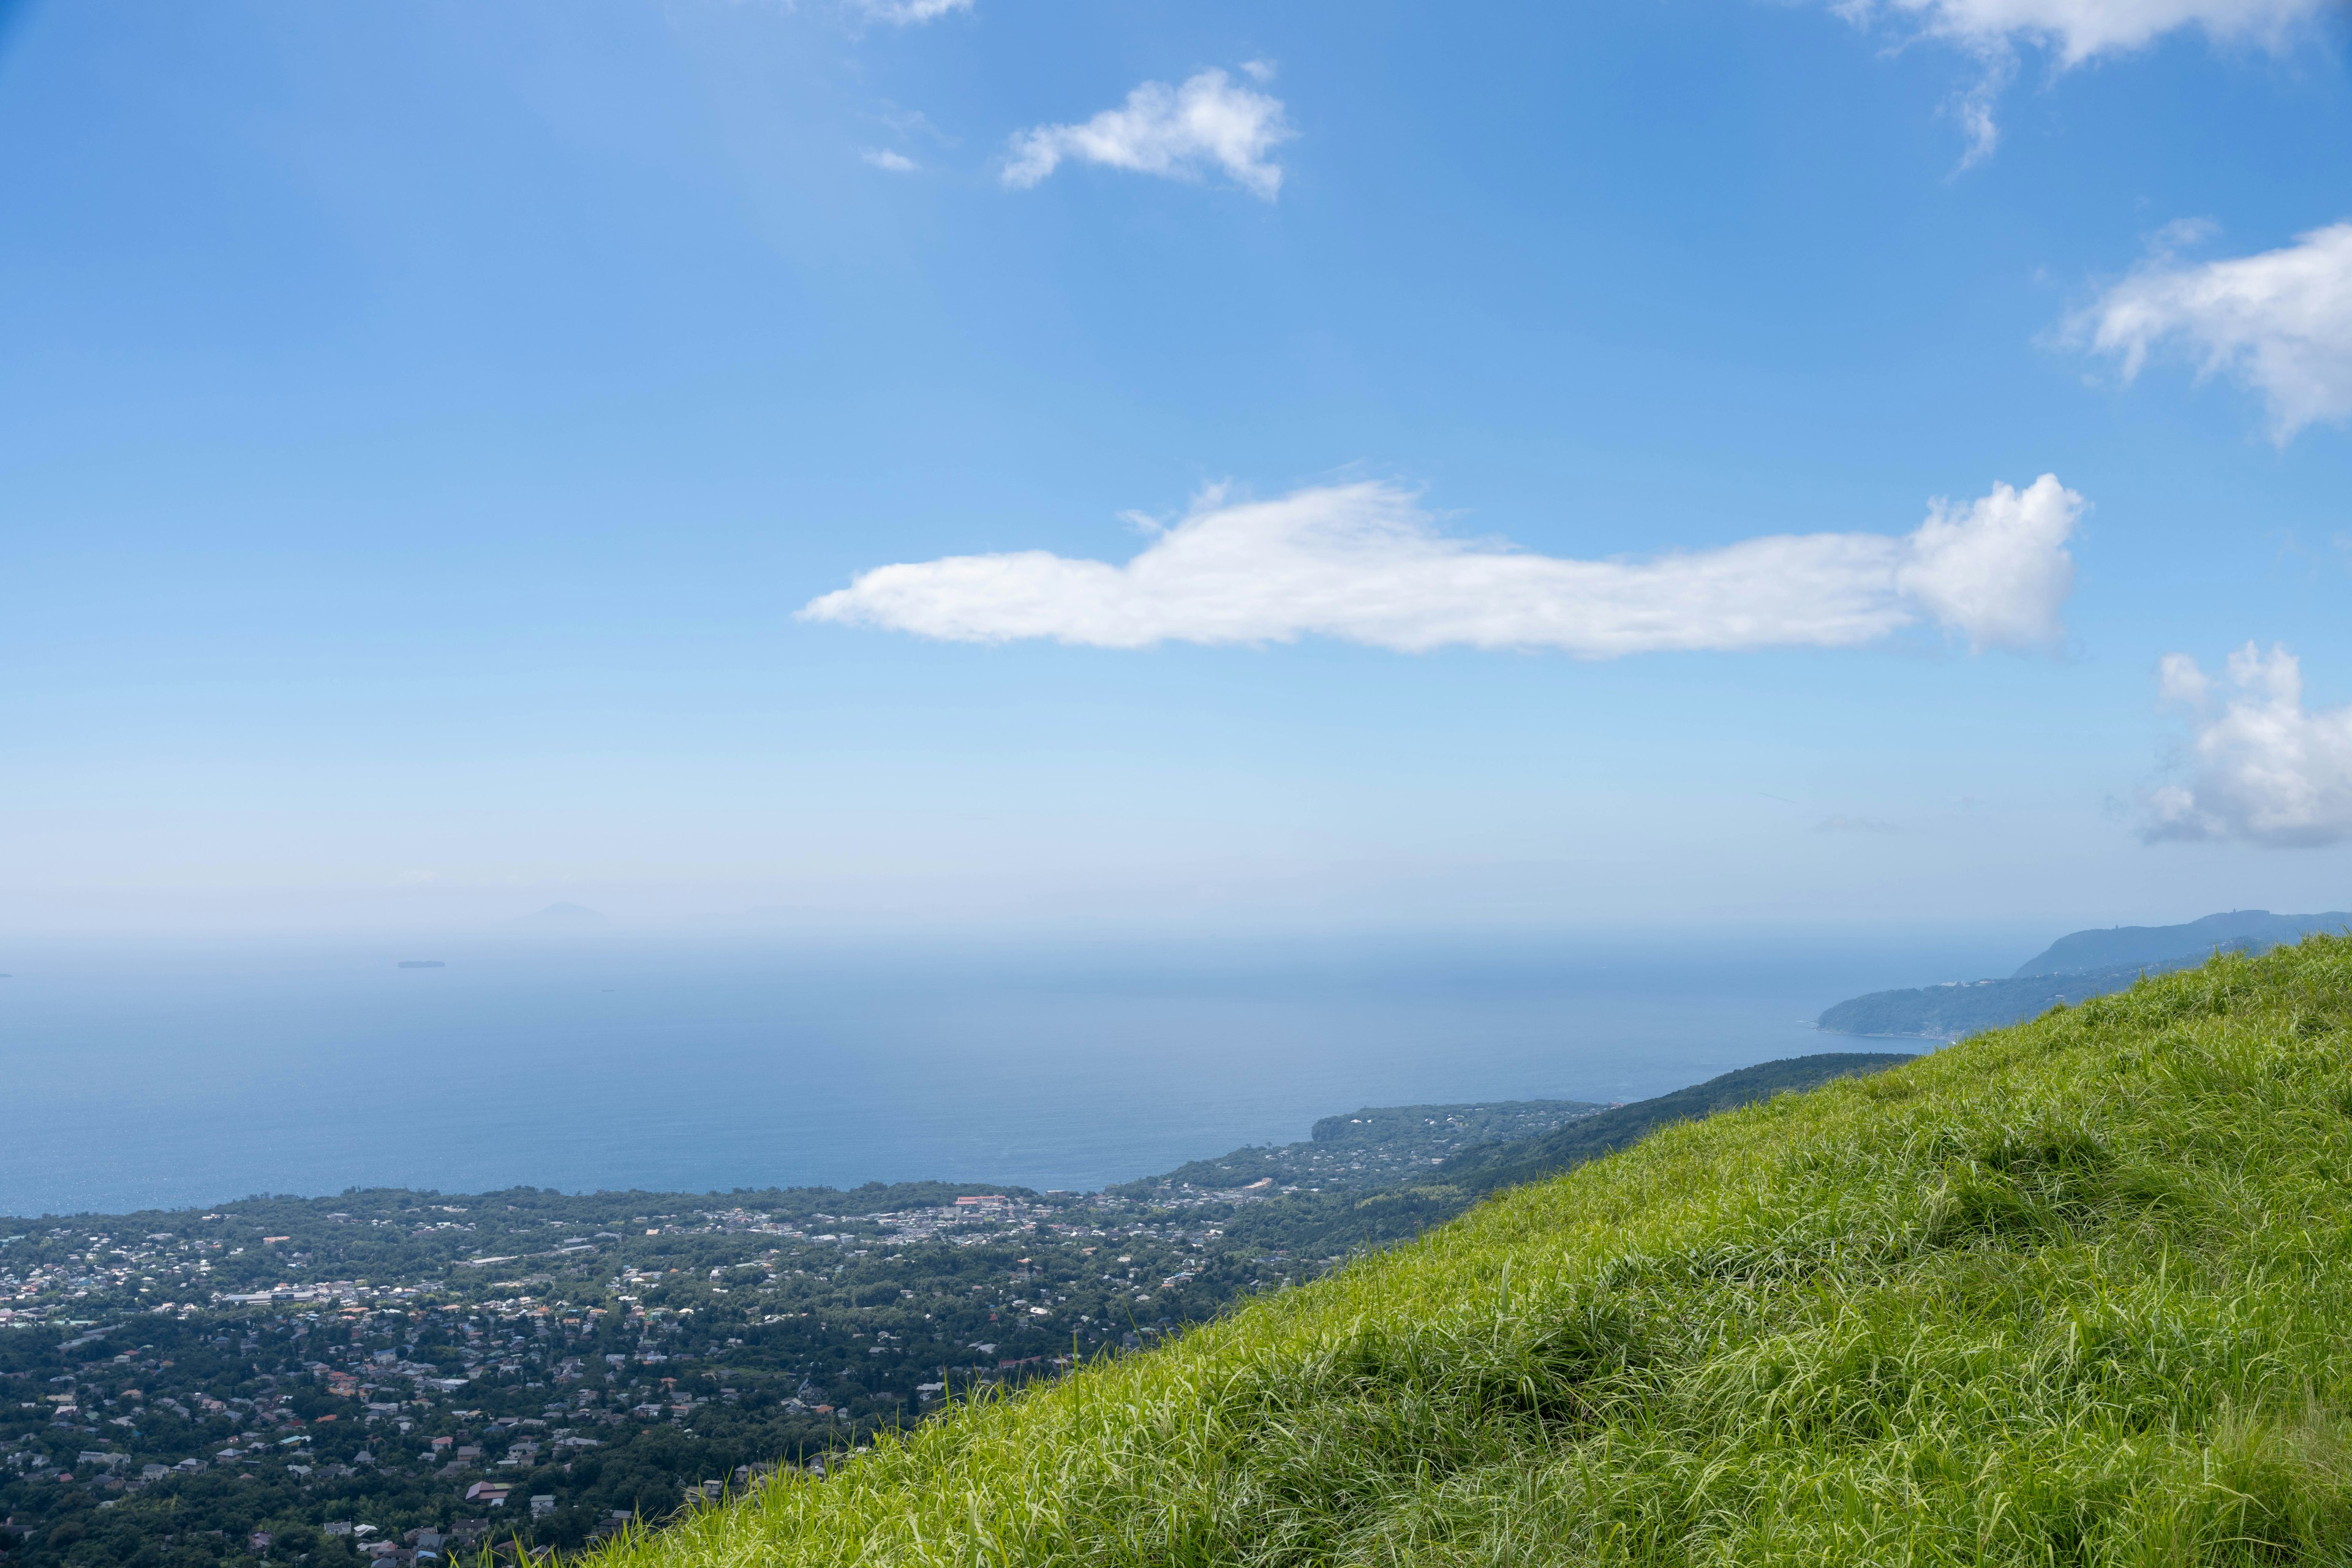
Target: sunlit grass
[[2078, 1291]]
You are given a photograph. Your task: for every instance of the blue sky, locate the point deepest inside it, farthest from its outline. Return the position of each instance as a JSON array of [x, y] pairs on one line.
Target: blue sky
[[422, 428]]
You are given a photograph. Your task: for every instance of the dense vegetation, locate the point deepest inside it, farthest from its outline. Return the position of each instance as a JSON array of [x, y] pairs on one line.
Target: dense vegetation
[[1620, 1127], [2068, 1293], [2180, 946], [1379, 1146], [1335, 1222], [1970, 1007]]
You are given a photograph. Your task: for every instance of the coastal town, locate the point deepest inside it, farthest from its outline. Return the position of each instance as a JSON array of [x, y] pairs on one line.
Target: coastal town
[[545, 1394], [399, 1376]]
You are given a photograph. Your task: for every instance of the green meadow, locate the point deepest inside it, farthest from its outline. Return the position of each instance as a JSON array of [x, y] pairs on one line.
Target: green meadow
[[2078, 1291]]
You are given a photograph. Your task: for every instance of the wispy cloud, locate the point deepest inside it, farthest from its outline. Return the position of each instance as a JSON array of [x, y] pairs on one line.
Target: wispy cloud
[[2280, 321], [1365, 563], [883, 158], [2078, 31], [1178, 132], [908, 13], [908, 123], [1974, 106], [2075, 32], [2264, 768]]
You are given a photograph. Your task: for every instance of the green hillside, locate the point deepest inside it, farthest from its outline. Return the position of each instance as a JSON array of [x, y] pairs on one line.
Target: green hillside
[[2074, 968], [1970, 1006], [2178, 946], [1403, 1202], [1378, 1146], [2074, 1292], [1527, 1159]]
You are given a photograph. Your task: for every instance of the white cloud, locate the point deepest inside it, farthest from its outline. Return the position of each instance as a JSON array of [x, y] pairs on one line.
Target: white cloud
[[2280, 320], [1996, 570], [2264, 768], [2179, 680], [1177, 132], [883, 158], [1974, 108], [2075, 32], [2081, 30], [908, 13], [1364, 562]]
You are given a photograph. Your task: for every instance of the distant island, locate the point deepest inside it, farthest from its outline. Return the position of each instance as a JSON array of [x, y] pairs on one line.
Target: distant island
[[2073, 969]]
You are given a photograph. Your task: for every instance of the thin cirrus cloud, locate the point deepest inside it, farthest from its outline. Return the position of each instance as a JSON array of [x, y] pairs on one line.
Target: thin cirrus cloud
[[2078, 31], [908, 13], [896, 162], [2075, 32], [2264, 768], [1363, 562], [1177, 132], [2280, 321]]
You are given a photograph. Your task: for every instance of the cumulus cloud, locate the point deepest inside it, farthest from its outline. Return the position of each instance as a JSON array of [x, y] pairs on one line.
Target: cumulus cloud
[[2280, 321], [908, 13], [2264, 768], [1363, 562], [1178, 132], [883, 158]]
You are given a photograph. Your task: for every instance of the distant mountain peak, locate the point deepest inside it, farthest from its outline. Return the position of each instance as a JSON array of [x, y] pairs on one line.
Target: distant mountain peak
[[2077, 966], [2251, 930]]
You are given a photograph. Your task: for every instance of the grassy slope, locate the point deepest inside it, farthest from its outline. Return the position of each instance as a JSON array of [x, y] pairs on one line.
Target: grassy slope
[[2071, 1292], [1339, 1220], [1508, 1164]]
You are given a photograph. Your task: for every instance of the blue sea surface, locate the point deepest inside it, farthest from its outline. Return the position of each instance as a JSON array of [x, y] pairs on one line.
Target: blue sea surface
[[141, 1075]]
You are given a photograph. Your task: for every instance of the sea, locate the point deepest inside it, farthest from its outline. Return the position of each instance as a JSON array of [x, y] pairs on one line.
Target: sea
[[148, 1074]]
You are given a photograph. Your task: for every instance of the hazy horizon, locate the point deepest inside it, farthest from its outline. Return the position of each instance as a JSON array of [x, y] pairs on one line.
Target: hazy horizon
[[195, 1071], [671, 914]]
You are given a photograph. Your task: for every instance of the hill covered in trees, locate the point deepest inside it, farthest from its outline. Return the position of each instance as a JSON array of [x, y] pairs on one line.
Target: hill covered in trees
[[2074, 968]]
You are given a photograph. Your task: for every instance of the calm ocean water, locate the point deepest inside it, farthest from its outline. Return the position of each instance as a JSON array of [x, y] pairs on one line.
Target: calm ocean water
[[139, 1074]]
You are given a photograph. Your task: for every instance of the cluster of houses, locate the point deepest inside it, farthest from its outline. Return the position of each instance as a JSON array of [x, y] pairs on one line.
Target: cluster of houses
[[95, 1264], [423, 1545]]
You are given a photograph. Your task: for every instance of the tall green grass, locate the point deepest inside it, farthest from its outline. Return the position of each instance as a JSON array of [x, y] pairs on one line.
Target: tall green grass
[[2078, 1291]]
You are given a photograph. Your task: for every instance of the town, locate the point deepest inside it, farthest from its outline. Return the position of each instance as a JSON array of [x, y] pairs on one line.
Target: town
[[398, 1376]]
